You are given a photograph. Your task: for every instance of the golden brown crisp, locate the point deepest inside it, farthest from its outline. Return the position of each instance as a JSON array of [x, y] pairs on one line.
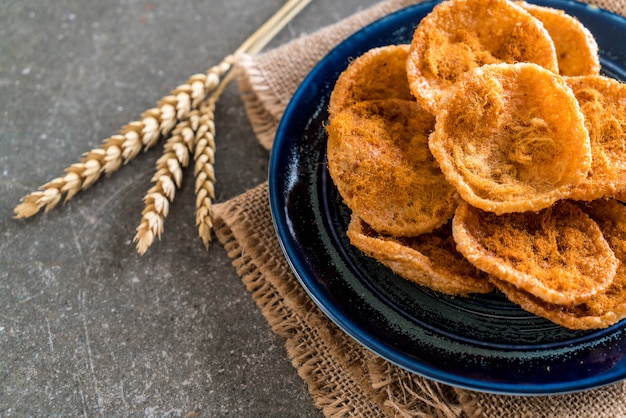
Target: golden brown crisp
[[605, 308], [380, 73], [511, 138], [429, 260], [558, 254], [379, 160], [603, 103], [459, 35], [576, 48]]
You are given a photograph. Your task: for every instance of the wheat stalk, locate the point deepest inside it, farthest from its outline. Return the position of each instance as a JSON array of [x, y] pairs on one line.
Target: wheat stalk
[[121, 148], [188, 114], [202, 127]]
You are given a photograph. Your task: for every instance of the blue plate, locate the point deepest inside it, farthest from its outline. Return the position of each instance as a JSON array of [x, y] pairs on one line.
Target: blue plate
[[482, 343]]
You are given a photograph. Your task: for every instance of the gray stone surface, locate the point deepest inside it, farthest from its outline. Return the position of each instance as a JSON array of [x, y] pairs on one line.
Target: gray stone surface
[[87, 326]]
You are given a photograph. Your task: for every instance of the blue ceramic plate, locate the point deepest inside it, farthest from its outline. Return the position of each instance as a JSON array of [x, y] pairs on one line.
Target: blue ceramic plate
[[482, 343]]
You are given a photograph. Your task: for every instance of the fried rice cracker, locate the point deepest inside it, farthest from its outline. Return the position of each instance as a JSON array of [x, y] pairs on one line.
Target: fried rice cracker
[[603, 103], [559, 254], [576, 47], [379, 73], [379, 160], [459, 35], [511, 138], [605, 308], [429, 260]]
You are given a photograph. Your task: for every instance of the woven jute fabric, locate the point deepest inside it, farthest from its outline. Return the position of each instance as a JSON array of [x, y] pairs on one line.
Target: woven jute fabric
[[344, 378]]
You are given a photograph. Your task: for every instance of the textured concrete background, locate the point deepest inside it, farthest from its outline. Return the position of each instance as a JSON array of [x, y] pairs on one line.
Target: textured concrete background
[[87, 326]]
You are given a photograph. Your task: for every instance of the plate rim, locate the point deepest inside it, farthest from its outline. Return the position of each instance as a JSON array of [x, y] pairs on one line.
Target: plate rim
[[347, 325]]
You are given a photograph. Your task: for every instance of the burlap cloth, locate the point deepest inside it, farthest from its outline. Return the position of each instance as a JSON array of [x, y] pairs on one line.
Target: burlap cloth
[[344, 378]]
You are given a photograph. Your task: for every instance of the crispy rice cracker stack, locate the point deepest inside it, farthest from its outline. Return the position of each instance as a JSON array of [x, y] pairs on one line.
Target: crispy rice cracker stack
[[380, 73], [379, 160], [603, 102], [605, 308], [459, 35], [511, 138], [576, 48], [559, 255], [429, 260]]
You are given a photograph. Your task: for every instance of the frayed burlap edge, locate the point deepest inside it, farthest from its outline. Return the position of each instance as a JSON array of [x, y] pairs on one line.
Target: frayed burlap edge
[[285, 305], [410, 395], [261, 104], [344, 378], [267, 82]]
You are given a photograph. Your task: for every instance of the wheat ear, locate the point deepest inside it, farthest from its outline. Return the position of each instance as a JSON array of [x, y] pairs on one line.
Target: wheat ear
[[193, 131], [153, 125], [167, 178], [169, 168], [195, 135], [121, 148], [204, 158], [202, 127], [204, 154]]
